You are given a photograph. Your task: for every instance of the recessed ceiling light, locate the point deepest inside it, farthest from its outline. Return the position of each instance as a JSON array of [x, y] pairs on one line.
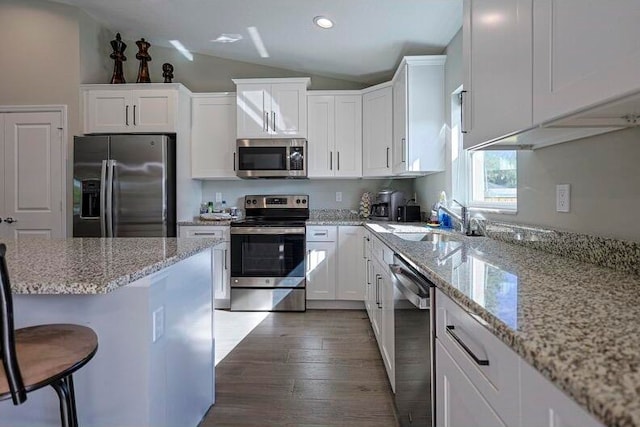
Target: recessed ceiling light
[[323, 22], [183, 50], [227, 38]]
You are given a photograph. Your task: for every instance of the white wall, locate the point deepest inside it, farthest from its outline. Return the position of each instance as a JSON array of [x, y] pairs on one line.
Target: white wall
[[603, 172], [322, 192]]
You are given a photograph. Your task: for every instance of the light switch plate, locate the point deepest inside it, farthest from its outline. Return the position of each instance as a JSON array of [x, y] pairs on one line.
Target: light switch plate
[[158, 323], [338, 196], [563, 197]]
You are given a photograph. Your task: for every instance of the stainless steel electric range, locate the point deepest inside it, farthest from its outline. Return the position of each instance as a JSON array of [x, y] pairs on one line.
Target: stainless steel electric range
[[268, 254]]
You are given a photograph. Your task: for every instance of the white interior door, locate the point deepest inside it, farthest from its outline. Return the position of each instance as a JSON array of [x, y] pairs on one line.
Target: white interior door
[[32, 166]]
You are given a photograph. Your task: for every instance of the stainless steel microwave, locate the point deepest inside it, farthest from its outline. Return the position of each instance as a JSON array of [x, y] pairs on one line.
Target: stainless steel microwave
[[271, 158]]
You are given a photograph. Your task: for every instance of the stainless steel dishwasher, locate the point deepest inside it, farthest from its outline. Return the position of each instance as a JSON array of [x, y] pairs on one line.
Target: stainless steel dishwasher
[[413, 316]]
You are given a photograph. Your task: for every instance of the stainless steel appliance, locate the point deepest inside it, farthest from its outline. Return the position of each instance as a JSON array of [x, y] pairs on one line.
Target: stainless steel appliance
[[124, 186], [413, 316], [268, 254], [271, 158], [386, 205]]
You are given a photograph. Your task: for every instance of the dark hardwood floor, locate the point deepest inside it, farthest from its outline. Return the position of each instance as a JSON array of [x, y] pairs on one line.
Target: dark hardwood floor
[[318, 368]]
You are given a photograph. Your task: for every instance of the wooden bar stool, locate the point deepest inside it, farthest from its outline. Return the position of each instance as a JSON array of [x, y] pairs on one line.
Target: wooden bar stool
[[42, 355]]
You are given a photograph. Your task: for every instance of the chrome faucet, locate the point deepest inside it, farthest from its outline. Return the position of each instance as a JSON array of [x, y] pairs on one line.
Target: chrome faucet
[[462, 218]]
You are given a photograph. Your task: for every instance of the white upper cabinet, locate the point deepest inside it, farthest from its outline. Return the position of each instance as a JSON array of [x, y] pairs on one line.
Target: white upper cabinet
[[213, 135], [418, 116], [497, 58], [138, 108], [334, 135], [377, 131], [584, 53], [272, 108]]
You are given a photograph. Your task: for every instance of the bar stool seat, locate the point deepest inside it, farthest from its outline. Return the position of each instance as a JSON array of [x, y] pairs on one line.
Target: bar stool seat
[[41, 355], [47, 353]]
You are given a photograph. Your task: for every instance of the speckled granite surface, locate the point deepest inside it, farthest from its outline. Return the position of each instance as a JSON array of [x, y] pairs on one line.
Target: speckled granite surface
[[617, 254], [577, 323], [92, 265]]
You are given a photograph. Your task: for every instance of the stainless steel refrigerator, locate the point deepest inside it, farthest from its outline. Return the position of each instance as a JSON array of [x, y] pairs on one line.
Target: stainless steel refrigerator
[[124, 186]]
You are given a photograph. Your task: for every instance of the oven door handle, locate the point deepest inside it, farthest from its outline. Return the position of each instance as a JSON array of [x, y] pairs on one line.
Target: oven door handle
[[267, 230]]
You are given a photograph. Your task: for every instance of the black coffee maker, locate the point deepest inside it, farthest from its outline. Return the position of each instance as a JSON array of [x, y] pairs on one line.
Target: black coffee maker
[[386, 205]]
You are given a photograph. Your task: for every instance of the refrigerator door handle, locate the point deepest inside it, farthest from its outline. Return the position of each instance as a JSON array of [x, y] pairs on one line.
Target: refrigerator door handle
[[110, 170], [103, 199]]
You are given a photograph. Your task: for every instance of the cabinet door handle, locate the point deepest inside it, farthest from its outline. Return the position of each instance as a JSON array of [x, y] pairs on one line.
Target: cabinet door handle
[[404, 159], [273, 120], [265, 121], [330, 160], [234, 160], [338, 155], [463, 118], [450, 331], [387, 156], [134, 115], [368, 270], [126, 115], [225, 260], [364, 247], [10, 220], [378, 290]]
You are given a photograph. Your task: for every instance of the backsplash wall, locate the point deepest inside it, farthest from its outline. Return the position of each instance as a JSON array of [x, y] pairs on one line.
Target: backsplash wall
[[322, 193]]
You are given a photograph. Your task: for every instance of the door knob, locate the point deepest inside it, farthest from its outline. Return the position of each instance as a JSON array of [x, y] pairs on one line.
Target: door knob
[[0, 220], [10, 220]]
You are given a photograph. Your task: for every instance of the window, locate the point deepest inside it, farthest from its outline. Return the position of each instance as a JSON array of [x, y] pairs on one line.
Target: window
[[493, 179], [484, 179]]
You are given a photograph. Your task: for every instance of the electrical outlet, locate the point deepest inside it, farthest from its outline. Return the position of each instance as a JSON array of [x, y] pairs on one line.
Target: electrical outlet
[[158, 323], [563, 196], [218, 197], [338, 196]]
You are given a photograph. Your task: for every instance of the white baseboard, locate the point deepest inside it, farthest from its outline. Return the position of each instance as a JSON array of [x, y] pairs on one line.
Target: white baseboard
[[335, 305]]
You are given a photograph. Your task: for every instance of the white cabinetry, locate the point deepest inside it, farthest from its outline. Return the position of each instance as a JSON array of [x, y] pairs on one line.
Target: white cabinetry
[[418, 116], [552, 408], [221, 259], [329, 278], [380, 303], [377, 130], [272, 108], [334, 134], [213, 135], [482, 382], [497, 61], [138, 108], [584, 53]]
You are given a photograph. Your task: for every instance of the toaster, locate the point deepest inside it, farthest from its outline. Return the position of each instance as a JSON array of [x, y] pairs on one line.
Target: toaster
[[409, 213]]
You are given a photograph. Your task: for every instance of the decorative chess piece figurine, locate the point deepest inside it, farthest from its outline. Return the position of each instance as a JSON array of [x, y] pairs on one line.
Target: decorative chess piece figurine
[[118, 47], [144, 57], [167, 72]]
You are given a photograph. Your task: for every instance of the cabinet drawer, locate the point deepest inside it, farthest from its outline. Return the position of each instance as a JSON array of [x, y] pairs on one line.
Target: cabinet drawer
[[322, 233], [488, 363], [204, 231], [381, 252]]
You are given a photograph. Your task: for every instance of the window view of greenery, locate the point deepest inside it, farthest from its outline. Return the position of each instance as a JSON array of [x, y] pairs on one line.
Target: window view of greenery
[[494, 177]]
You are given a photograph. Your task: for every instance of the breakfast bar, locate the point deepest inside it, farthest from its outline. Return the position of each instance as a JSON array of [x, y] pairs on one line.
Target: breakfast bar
[[149, 300]]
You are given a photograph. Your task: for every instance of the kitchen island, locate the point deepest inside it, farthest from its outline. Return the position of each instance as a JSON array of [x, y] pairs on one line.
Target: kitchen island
[[150, 302]]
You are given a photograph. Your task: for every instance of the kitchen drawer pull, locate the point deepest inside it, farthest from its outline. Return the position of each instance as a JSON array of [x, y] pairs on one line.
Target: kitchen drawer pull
[[330, 160], [134, 115], [482, 362], [204, 233], [463, 118], [387, 156], [320, 233], [126, 115]]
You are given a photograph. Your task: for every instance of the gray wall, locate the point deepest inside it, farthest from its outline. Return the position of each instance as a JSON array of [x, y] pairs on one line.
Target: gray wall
[[322, 192], [428, 188], [602, 170]]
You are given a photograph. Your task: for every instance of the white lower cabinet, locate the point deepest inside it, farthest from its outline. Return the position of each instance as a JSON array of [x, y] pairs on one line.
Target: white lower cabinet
[[335, 263], [458, 402], [552, 407], [221, 259], [379, 301], [482, 382]]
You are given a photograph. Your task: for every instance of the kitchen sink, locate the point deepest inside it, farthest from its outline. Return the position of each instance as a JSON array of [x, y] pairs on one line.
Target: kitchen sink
[[432, 237]]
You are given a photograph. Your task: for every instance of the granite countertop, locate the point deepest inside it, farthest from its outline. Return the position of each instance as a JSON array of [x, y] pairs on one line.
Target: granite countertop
[[576, 323], [198, 221], [92, 265]]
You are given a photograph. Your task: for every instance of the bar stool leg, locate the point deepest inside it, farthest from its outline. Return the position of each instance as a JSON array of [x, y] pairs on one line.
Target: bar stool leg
[[63, 396], [73, 414]]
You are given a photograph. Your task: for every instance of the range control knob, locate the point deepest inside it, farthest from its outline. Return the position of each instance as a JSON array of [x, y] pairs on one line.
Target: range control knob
[[304, 201], [298, 201], [255, 202], [248, 202]]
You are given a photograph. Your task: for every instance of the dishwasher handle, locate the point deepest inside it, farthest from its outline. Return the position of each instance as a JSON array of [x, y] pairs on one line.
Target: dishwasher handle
[[399, 275]]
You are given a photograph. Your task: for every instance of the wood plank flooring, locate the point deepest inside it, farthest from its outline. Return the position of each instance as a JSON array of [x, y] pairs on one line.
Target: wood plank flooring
[[318, 368]]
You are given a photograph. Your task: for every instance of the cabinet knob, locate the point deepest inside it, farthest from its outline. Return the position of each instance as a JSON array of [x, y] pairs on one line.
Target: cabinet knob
[[10, 220]]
